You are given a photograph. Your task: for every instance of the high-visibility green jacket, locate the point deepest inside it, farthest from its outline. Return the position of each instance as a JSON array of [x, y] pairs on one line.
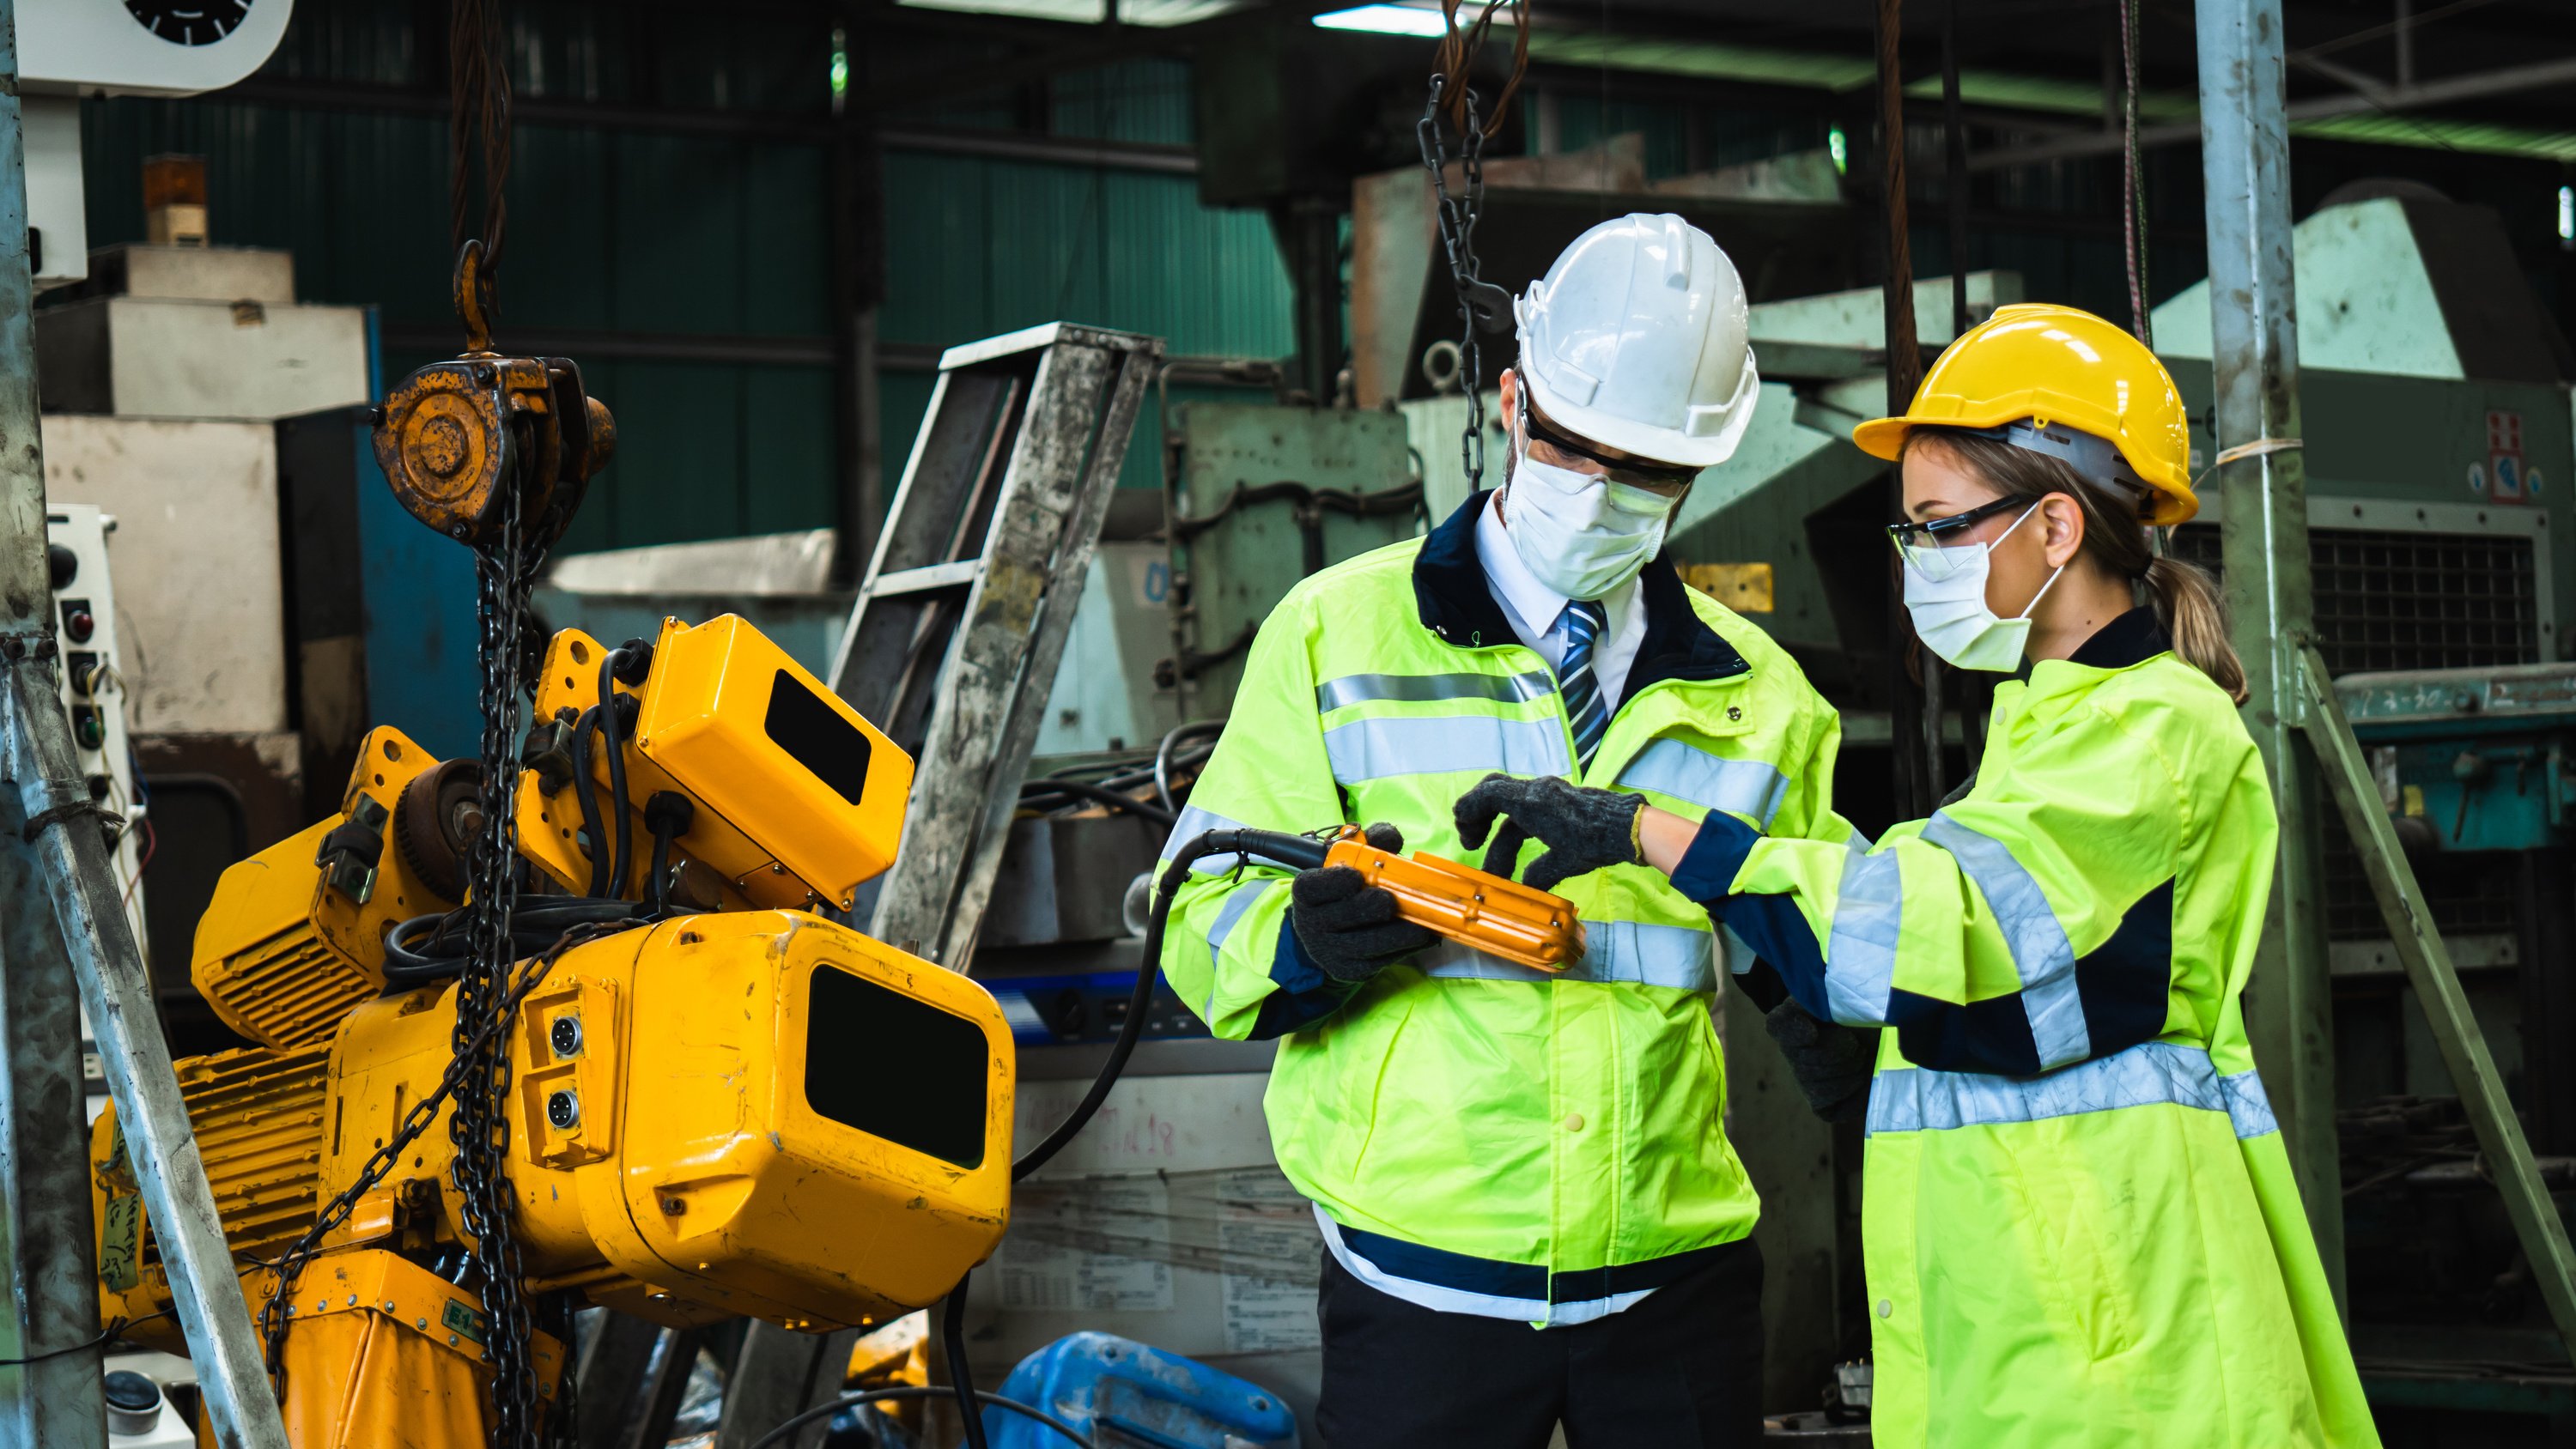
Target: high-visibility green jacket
[[1477, 1136], [2079, 1221]]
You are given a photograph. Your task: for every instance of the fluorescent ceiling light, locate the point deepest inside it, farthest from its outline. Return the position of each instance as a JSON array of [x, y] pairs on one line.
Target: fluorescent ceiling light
[[1389, 20], [1154, 14]]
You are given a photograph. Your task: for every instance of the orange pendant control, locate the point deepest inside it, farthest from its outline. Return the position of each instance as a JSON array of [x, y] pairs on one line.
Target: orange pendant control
[[1497, 916]]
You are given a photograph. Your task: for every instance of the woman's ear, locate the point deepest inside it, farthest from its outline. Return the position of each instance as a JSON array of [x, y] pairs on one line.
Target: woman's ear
[[2064, 538]]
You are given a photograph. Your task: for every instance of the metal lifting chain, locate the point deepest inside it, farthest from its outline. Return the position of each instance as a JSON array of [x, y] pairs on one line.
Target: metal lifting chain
[[505, 571], [279, 1311], [479, 1122], [2133, 180], [1482, 306]]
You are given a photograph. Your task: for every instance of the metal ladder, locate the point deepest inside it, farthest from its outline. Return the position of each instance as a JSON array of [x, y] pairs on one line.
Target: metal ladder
[[951, 649], [953, 643]]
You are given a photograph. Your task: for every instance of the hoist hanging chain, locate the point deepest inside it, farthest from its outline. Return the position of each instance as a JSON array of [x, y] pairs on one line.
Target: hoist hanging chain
[[1482, 306], [478, 78], [278, 1312], [2133, 180], [479, 1121], [505, 569]]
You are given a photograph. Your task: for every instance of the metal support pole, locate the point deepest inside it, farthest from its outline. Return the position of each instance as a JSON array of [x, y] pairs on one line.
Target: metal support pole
[[2263, 523], [70, 859], [2409, 917], [858, 283], [1915, 744], [45, 1227]]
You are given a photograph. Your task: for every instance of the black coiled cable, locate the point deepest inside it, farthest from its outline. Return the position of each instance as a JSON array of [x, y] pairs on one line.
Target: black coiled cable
[[1296, 851], [432, 948]]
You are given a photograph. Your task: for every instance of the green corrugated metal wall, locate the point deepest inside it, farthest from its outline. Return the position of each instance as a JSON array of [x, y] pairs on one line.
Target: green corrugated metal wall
[[673, 234]]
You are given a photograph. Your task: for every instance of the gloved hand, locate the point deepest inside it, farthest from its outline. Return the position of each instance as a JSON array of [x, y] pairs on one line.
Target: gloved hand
[[1582, 829], [1347, 926], [1827, 1058]]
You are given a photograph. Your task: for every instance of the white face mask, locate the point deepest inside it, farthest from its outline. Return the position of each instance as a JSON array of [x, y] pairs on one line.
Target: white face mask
[[1582, 536], [1945, 591]]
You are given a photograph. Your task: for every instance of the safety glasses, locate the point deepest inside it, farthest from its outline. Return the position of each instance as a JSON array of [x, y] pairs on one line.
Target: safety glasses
[[1925, 546], [1667, 482]]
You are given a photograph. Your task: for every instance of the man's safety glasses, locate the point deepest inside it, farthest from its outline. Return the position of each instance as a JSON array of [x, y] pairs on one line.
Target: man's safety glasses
[[1667, 481]]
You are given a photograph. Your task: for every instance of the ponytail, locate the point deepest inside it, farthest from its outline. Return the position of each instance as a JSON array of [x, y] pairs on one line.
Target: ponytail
[[2185, 597], [2187, 604]]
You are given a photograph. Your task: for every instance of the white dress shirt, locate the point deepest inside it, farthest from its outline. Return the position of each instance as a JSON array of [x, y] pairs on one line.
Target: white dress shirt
[[1537, 612]]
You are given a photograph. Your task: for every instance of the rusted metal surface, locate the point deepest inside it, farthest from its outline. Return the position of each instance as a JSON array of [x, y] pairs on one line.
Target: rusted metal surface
[[64, 873], [962, 621], [448, 435], [45, 1221]]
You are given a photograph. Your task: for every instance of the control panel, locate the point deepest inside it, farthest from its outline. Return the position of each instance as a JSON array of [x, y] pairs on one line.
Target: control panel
[[94, 693]]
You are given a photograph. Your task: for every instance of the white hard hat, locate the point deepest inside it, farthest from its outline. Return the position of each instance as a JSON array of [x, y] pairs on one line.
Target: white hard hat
[[1636, 339]]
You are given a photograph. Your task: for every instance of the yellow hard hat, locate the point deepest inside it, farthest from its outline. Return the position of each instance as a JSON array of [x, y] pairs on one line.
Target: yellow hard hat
[[2058, 366]]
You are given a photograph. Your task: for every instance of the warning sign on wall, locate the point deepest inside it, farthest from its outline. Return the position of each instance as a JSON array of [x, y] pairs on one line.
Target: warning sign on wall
[[2504, 457]]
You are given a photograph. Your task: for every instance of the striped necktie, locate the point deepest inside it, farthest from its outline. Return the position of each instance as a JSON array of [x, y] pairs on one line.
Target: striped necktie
[[1584, 711]]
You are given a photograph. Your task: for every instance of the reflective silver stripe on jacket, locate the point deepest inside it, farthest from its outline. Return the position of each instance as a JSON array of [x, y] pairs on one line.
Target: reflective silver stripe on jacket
[[1860, 951], [1352, 689], [1684, 771], [1193, 823], [2040, 951], [1374, 749], [1635, 953], [1237, 901], [1922, 1100]]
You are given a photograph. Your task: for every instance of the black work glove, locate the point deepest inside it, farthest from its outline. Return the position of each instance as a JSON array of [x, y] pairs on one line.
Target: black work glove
[[1582, 829], [1827, 1058], [1347, 926]]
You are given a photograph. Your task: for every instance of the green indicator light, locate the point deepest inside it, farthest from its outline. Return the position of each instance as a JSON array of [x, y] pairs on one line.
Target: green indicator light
[[1840, 145]]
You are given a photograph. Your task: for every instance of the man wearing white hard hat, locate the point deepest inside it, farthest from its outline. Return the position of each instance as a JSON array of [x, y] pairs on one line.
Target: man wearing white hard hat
[[1532, 1213]]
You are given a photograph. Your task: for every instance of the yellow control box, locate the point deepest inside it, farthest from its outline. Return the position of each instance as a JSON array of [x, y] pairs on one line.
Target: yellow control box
[[798, 798]]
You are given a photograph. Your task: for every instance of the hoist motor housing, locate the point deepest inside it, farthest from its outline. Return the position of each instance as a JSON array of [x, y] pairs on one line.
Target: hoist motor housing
[[748, 1113], [293, 938], [798, 799]]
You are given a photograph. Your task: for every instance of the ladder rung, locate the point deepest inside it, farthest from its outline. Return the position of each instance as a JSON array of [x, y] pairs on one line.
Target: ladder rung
[[956, 575]]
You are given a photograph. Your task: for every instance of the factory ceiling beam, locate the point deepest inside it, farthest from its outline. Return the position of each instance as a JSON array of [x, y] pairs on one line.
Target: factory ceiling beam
[[814, 127], [1023, 146], [2308, 117]]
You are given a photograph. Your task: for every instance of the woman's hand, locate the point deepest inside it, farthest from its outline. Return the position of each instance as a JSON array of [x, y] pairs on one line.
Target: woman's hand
[[1583, 830]]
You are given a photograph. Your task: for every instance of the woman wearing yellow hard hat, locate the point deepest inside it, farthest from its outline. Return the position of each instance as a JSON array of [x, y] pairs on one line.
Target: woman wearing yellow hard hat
[[2079, 1219]]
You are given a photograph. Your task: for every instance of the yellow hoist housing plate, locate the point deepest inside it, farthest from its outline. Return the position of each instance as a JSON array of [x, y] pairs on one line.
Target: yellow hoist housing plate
[[285, 949], [381, 1351], [742, 1113], [798, 798]]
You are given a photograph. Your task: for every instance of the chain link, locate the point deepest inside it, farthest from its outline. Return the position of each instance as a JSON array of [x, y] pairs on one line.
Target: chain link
[[1458, 214], [479, 1123], [276, 1314]]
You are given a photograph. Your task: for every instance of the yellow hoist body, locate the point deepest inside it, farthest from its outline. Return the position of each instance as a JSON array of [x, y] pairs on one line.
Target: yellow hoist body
[[741, 1109]]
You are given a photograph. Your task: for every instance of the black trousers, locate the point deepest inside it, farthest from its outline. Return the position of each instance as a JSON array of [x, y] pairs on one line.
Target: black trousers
[[1680, 1369]]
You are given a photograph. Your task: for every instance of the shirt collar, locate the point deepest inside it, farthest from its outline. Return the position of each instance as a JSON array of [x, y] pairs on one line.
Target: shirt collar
[[2133, 638]]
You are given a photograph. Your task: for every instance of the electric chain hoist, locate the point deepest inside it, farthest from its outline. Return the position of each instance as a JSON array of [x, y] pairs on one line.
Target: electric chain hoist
[[685, 1063]]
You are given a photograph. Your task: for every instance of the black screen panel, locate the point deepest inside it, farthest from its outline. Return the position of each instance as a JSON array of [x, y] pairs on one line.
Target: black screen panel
[[895, 1068], [814, 733]]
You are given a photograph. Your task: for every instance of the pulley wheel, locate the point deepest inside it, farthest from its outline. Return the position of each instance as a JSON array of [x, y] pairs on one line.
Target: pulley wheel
[[435, 822]]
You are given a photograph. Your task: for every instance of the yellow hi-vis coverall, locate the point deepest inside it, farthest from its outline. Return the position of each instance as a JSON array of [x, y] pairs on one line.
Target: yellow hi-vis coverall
[[2079, 1220], [1477, 1136]]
